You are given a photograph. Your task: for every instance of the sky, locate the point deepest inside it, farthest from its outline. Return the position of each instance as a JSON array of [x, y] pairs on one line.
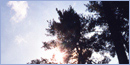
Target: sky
[[23, 28]]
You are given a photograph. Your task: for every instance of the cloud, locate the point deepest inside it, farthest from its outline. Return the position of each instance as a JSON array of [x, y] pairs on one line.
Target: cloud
[[19, 39], [20, 9]]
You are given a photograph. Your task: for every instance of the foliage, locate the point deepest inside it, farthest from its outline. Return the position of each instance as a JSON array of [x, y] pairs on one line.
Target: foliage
[[72, 28], [116, 15], [71, 32]]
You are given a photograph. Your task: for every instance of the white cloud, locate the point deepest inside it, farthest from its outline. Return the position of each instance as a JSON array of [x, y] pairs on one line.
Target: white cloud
[[19, 39], [20, 9]]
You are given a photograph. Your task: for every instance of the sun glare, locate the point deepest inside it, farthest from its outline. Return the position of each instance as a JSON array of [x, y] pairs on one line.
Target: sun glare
[[59, 56]]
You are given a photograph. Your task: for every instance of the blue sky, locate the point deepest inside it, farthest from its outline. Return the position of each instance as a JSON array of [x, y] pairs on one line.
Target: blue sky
[[23, 25]]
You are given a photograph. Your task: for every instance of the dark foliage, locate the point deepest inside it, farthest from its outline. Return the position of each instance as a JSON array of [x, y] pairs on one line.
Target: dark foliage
[[71, 31], [116, 15]]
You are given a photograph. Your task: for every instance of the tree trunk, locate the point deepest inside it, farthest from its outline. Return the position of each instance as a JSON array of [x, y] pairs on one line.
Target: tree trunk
[[81, 60], [114, 27]]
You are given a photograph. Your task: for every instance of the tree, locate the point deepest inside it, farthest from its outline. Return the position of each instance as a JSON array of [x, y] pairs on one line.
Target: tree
[[68, 31], [116, 15], [71, 32]]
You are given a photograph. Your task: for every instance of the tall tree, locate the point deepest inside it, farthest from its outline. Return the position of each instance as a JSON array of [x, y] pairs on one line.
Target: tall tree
[[68, 31], [71, 32], [116, 15]]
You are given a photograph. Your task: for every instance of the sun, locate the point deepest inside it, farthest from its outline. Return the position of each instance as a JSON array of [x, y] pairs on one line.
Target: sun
[[58, 55]]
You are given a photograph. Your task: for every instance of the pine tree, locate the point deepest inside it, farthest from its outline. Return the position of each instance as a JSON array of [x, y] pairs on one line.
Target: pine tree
[[116, 15], [71, 32]]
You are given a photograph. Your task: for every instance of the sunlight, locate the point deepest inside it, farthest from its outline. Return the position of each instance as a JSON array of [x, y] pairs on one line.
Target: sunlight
[[56, 54], [59, 56]]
